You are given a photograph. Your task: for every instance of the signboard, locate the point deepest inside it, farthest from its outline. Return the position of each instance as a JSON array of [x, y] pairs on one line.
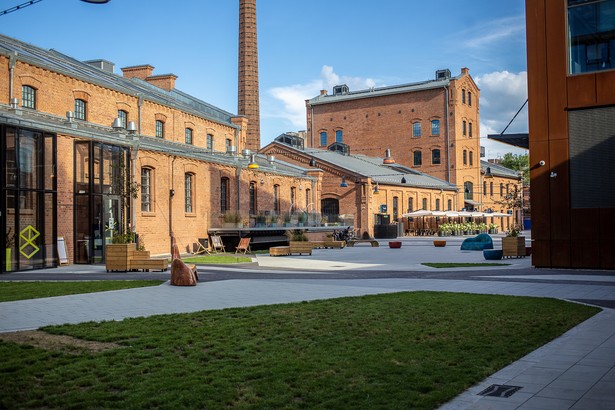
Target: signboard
[[62, 251]]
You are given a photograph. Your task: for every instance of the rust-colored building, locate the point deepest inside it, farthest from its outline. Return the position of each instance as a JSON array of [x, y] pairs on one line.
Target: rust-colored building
[[430, 126], [571, 91]]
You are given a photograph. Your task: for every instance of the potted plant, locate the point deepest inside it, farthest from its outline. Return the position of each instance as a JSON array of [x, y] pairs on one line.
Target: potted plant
[[231, 220], [513, 244], [121, 249], [298, 242], [9, 244], [302, 218], [493, 228], [260, 220], [287, 219]]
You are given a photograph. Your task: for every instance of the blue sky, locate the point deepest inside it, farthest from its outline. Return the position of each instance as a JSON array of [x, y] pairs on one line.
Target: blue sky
[[303, 47]]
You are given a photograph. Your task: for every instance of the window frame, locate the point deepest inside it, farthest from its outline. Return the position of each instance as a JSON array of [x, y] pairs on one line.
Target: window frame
[[323, 138], [159, 129], [210, 142], [416, 129], [28, 97], [436, 156], [123, 116], [417, 154], [146, 189], [81, 109], [435, 127], [189, 192], [339, 135], [224, 194], [188, 133], [252, 204]]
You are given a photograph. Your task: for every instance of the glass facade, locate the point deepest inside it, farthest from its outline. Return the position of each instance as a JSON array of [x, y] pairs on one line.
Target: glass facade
[[591, 35], [29, 197]]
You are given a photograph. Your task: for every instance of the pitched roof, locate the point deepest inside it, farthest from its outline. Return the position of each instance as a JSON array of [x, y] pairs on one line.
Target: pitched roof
[[55, 61]]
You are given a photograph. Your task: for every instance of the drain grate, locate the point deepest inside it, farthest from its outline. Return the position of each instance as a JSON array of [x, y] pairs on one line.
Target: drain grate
[[500, 390]]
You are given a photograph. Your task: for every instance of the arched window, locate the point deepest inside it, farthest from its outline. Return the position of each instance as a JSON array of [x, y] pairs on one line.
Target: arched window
[[437, 204], [276, 198], [224, 195], [210, 142], [491, 188], [435, 127], [463, 96], [80, 109], [425, 203], [468, 190], [416, 129], [418, 158], [435, 157], [465, 157], [450, 205], [339, 136], [469, 98], [330, 208], [323, 138], [471, 158], [188, 198], [159, 129], [470, 129], [308, 196], [28, 97], [395, 208], [293, 198], [501, 189], [188, 134], [464, 126], [484, 187], [410, 204], [123, 116], [253, 208], [147, 179]]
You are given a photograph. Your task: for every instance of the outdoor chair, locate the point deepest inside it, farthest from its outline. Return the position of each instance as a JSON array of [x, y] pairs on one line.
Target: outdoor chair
[[216, 244], [199, 248], [478, 243], [244, 246]]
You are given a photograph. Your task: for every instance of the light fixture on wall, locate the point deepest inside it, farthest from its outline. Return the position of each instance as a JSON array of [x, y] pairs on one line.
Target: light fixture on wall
[[344, 184], [376, 190], [252, 164]]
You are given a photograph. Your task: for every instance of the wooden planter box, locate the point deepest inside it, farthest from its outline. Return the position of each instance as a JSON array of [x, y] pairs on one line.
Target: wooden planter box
[[118, 255], [300, 247], [513, 246]]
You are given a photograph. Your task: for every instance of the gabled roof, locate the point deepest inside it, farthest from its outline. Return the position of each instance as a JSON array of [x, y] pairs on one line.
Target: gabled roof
[[370, 167], [499, 170], [55, 61]]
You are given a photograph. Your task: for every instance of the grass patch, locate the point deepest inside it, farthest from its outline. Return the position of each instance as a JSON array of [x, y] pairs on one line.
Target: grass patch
[[32, 290], [461, 265], [217, 259], [406, 350]]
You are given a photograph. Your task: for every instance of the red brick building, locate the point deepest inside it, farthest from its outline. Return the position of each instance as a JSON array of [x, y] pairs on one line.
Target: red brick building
[[87, 153], [430, 126]]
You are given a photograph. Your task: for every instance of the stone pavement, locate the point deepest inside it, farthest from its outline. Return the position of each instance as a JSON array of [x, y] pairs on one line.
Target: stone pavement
[[575, 371]]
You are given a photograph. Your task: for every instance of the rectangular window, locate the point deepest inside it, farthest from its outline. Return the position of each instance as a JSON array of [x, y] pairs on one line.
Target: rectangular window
[[591, 43], [188, 190], [469, 98], [252, 198], [123, 116], [418, 158], [189, 136], [416, 129], [146, 189], [470, 129], [437, 204], [491, 188], [471, 158], [410, 204], [395, 208], [338, 136], [28, 97], [80, 109], [450, 205], [308, 195], [425, 203], [463, 96], [435, 157], [159, 129], [435, 127], [464, 128], [210, 142], [224, 202], [323, 139], [276, 198]]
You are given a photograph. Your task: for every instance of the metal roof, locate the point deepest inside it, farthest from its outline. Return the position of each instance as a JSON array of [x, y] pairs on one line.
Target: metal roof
[[520, 140], [61, 63], [372, 167], [499, 170]]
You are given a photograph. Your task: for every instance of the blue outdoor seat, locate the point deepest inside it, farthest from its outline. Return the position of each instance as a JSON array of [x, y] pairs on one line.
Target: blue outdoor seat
[[478, 243]]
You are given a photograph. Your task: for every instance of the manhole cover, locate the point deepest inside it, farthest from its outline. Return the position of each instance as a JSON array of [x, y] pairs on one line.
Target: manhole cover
[[499, 390]]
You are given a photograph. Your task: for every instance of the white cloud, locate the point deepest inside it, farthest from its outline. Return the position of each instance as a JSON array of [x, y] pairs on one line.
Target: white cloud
[[488, 33], [292, 97], [502, 94]]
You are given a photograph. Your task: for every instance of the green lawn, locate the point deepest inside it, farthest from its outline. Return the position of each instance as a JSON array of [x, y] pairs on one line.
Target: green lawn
[[405, 350], [32, 290], [461, 265], [218, 259]]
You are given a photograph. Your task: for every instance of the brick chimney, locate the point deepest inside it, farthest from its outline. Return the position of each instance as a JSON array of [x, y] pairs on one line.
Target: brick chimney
[[465, 70], [323, 92], [138, 71], [248, 100], [164, 81]]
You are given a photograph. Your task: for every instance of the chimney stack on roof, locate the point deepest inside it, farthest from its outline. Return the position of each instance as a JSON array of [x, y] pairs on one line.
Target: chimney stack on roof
[[145, 72]]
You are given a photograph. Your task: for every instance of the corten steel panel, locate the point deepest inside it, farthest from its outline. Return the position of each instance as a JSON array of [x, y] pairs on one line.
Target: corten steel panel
[[581, 90], [584, 254], [537, 69], [605, 87], [584, 224], [560, 253], [540, 189], [541, 252], [607, 227], [560, 190], [556, 69]]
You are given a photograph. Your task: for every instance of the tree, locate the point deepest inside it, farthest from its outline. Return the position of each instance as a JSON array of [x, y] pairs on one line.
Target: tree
[[519, 163]]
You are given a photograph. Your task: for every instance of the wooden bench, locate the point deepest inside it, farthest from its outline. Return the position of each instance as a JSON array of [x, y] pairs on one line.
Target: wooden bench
[[279, 251], [142, 260], [335, 244], [373, 242], [300, 247]]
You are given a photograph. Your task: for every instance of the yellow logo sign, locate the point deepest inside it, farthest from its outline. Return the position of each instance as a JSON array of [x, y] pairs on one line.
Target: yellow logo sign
[[27, 237]]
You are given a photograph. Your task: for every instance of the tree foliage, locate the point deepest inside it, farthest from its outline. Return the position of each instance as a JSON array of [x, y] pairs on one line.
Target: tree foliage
[[519, 163]]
